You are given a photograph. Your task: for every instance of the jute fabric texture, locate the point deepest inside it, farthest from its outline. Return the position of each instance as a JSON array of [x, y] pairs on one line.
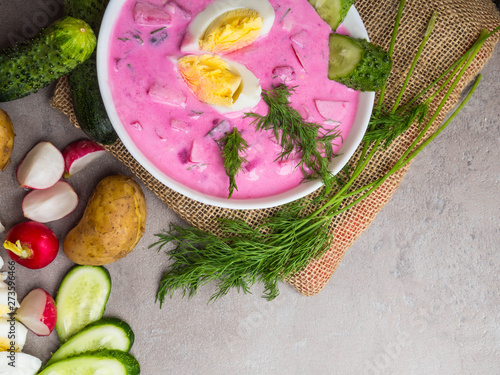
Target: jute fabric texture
[[458, 26]]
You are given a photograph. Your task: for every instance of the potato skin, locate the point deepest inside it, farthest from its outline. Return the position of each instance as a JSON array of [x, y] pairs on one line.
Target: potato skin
[[112, 224], [6, 139]]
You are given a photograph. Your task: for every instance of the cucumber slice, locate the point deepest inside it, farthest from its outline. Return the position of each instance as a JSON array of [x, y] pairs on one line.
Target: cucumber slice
[[107, 333], [345, 55], [103, 362], [332, 12], [81, 299], [357, 63]]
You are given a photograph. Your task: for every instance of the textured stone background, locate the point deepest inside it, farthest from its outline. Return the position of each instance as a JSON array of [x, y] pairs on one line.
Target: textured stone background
[[417, 294]]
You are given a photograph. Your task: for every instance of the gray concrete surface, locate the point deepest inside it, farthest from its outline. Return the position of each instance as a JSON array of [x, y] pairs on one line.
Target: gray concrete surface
[[418, 293]]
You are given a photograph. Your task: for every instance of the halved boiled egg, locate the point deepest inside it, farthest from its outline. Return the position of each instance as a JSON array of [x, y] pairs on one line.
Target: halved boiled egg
[[12, 335], [227, 25], [225, 85], [8, 299], [22, 364]]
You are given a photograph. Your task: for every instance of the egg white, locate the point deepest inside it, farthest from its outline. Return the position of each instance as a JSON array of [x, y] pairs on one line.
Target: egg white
[[5, 298], [250, 94], [25, 364], [18, 329], [201, 22]]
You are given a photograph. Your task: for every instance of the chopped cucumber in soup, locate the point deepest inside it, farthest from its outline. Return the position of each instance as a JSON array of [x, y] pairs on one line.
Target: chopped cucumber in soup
[[332, 12], [357, 63]]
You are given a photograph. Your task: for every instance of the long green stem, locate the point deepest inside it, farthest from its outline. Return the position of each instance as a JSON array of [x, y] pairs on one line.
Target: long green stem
[[481, 39], [446, 123], [404, 161], [391, 48], [359, 168], [430, 26], [469, 54], [443, 102]]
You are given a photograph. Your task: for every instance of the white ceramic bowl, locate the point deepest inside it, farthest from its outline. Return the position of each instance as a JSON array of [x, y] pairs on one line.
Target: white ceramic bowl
[[355, 27]]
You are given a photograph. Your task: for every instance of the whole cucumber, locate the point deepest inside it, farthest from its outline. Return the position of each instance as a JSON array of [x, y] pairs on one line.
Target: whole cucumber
[[55, 51], [87, 102]]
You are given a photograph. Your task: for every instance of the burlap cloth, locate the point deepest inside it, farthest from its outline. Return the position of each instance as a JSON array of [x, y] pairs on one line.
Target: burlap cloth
[[458, 26]]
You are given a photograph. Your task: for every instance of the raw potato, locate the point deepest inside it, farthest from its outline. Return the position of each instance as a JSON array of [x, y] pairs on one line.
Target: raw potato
[[112, 224], [6, 139]]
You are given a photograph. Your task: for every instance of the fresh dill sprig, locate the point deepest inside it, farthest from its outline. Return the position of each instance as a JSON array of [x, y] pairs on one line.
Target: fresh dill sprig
[[297, 137], [385, 126], [343, 176], [233, 146], [243, 256], [285, 243]]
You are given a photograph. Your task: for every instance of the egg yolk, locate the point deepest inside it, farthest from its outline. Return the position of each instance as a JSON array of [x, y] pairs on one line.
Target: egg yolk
[[231, 31], [5, 345], [4, 309], [210, 79]]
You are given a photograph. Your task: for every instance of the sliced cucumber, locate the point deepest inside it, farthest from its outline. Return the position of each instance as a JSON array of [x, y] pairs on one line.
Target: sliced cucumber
[[332, 12], [107, 333], [357, 63], [345, 54], [81, 299], [103, 362]]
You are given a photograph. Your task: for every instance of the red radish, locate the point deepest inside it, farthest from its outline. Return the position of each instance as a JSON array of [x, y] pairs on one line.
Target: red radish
[[285, 74], [301, 38], [150, 15], [332, 110], [41, 168], [173, 8], [31, 244], [167, 95], [198, 152], [299, 57], [50, 204], [178, 125], [79, 154], [38, 312]]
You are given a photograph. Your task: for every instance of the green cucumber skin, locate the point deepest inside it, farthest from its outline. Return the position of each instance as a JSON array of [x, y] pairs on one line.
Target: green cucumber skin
[[372, 70], [346, 6], [91, 11], [78, 339], [87, 102], [333, 20], [68, 366], [54, 52], [88, 105], [62, 286]]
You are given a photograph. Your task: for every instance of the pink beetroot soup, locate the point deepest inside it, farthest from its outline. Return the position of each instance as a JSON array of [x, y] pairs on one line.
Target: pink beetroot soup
[[179, 134]]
